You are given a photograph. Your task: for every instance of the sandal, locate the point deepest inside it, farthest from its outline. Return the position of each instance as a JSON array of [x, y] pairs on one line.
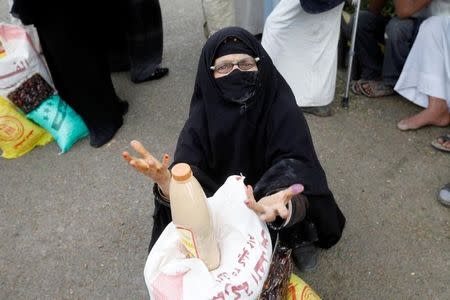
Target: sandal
[[444, 195], [355, 87], [439, 145], [375, 89]]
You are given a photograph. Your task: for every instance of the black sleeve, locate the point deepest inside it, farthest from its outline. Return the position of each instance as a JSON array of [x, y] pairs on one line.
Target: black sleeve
[[159, 196], [161, 215], [209, 186]]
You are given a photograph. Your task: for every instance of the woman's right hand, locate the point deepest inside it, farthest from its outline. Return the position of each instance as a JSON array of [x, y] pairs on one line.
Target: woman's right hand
[[148, 165]]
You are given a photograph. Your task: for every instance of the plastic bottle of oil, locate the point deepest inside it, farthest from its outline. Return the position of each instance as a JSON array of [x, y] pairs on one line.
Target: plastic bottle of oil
[[190, 215]]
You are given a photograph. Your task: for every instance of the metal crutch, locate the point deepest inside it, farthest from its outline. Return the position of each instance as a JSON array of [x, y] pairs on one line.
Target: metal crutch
[[351, 53]]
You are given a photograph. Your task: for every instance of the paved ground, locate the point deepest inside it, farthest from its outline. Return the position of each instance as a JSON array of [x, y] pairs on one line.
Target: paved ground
[[76, 226]]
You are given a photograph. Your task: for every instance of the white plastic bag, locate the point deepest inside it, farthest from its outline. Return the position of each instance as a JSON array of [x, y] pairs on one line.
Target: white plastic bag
[[21, 58], [12, 19], [29, 28], [245, 248]]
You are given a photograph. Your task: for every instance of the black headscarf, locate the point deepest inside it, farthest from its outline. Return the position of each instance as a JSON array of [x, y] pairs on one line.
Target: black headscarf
[[266, 138]]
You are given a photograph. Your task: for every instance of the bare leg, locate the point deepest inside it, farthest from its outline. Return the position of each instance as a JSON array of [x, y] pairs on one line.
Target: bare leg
[[436, 114]]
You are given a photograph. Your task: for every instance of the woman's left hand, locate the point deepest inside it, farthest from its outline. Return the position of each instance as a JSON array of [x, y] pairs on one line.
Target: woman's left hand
[[269, 207]]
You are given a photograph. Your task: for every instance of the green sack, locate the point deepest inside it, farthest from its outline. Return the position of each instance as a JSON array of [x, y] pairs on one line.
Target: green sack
[[63, 123]]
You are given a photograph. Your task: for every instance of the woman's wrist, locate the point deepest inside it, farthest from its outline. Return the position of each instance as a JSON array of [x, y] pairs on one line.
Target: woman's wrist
[[164, 190], [164, 195], [164, 186], [279, 222], [159, 196]]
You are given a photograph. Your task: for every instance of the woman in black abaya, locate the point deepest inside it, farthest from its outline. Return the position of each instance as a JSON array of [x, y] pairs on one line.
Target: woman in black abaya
[[75, 36], [244, 119]]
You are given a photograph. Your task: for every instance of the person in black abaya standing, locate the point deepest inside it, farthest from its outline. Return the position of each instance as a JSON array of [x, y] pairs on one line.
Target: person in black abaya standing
[[138, 42], [75, 36], [244, 119]]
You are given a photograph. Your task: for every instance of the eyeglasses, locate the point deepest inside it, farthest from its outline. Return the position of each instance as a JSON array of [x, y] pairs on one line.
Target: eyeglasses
[[244, 64]]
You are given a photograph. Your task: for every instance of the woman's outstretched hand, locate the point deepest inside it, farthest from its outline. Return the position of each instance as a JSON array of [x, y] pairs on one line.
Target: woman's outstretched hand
[[148, 165], [269, 207]]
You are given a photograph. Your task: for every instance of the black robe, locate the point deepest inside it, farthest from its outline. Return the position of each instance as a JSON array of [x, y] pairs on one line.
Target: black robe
[[75, 37], [266, 139]]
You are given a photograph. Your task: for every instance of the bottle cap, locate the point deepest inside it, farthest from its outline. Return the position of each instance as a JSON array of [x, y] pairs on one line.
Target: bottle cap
[[181, 172]]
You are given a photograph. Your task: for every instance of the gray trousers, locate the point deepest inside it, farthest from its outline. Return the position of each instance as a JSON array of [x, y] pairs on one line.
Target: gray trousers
[[397, 36]]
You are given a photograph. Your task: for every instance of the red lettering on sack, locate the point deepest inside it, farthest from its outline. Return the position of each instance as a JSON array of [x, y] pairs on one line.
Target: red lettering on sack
[[251, 241], [222, 276], [236, 272], [234, 289], [255, 279], [21, 66], [259, 266], [243, 256], [243, 286], [265, 241], [219, 296]]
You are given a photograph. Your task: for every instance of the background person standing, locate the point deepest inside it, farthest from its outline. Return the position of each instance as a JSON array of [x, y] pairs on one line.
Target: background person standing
[[302, 38], [75, 36]]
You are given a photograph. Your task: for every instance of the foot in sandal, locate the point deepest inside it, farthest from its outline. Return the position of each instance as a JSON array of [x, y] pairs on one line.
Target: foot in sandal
[[444, 195], [375, 89], [442, 143]]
